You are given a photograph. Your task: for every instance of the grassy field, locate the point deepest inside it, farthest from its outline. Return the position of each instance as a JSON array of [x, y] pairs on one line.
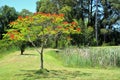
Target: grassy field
[[25, 67]]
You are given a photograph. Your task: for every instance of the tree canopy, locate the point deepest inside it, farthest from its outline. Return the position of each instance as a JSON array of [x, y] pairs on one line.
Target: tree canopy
[[7, 15]]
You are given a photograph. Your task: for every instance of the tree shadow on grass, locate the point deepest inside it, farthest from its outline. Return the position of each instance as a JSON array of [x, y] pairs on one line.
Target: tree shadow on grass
[[29, 54], [52, 74]]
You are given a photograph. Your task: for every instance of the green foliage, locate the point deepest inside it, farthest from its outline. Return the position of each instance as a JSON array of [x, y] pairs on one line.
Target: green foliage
[[25, 13], [105, 44], [104, 31], [66, 10], [6, 47], [46, 6], [115, 3], [7, 15], [40, 26], [86, 38]]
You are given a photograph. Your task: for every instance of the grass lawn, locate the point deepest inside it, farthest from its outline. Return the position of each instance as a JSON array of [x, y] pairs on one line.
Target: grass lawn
[[25, 67]]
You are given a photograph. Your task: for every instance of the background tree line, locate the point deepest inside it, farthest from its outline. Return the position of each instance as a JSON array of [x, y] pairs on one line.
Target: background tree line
[[83, 12]]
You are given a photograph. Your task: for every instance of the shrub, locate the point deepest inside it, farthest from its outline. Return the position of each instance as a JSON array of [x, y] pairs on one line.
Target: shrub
[[6, 47]]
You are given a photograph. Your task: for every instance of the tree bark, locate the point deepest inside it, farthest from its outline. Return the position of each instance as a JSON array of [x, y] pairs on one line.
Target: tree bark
[[41, 57], [90, 13], [56, 43], [22, 52], [22, 47], [96, 23], [40, 52]]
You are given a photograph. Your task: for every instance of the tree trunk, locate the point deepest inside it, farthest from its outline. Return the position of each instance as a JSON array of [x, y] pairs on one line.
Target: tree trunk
[[81, 15], [90, 13], [0, 36], [41, 57], [104, 38], [40, 52], [56, 43], [22, 52], [96, 23], [22, 47]]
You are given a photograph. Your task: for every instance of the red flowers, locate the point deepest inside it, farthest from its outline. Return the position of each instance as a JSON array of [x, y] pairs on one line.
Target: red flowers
[[12, 23], [59, 27], [20, 17], [78, 29], [65, 22], [62, 15], [27, 17], [12, 36], [66, 29], [74, 23]]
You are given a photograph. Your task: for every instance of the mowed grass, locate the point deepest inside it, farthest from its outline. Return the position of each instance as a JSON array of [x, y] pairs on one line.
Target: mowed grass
[[25, 67]]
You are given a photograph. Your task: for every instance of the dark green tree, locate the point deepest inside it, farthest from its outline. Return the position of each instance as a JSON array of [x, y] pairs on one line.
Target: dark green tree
[[7, 15]]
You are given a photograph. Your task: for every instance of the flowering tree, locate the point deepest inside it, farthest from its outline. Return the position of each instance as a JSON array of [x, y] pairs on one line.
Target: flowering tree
[[43, 26]]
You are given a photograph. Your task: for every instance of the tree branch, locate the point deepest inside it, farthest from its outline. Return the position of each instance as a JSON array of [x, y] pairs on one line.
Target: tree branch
[[33, 44]]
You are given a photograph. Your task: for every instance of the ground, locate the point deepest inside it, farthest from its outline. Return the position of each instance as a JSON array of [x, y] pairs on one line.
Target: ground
[[25, 67]]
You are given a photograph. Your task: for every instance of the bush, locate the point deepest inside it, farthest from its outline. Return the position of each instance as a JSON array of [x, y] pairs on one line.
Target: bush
[[6, 47]]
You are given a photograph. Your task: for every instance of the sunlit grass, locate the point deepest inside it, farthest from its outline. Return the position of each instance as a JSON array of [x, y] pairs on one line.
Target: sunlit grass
[[25, 67]]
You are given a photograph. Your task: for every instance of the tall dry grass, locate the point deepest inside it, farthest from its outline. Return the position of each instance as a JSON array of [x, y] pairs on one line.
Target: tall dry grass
[[91, 57]]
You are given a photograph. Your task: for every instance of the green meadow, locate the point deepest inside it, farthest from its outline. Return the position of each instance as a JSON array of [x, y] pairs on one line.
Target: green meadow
[[26, 67]]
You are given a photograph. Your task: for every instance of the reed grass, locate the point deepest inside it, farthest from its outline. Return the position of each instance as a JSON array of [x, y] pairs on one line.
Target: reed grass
[[91, 57]]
